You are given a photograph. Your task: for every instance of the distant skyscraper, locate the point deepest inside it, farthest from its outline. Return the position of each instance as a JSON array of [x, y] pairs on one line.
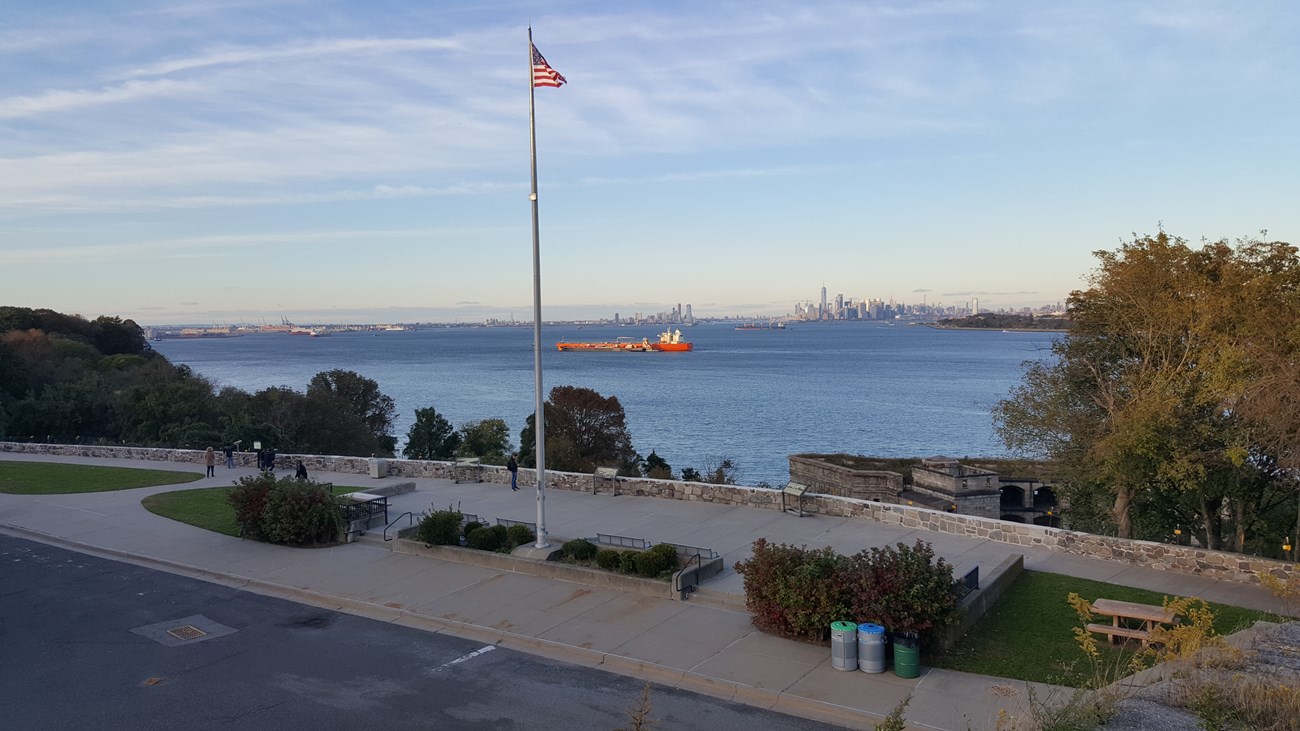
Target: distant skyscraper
[[975, 306], [822, 313], [690, 317]]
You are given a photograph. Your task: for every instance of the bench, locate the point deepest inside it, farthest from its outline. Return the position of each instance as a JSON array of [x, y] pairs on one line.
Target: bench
[[604, 475], [1148, 616], [795, 491], [467, 469], [1112, 631]]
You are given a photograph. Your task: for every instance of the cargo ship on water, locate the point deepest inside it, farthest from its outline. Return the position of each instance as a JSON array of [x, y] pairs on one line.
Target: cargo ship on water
[[670, 341]]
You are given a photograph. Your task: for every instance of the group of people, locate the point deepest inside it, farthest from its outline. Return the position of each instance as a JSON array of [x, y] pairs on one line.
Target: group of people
[[265, 461]]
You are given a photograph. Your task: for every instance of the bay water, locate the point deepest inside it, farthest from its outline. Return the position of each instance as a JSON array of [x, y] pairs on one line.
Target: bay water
[[753, 396]]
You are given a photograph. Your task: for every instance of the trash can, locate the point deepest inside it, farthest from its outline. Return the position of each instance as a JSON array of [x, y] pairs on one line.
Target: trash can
[[844, 645], [871, 648], [907, 654], [378, 467]]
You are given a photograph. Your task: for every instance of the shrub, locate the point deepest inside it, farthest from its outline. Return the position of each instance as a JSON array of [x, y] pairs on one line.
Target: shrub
[[441, 528], [487, 539], [903, 588], [794, 591], [627, 562], [470, 527], [285, 510], [299, 513], [518, 535], [579, 550], [249, 501], [609, 559], [649, 564], [669, 554]]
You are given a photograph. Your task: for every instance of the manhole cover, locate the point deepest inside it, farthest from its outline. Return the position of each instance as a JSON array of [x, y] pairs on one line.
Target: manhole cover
[[186, 632], [183, 631]]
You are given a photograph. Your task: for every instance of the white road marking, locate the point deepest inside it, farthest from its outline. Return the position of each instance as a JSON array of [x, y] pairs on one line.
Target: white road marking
[[471, 656]]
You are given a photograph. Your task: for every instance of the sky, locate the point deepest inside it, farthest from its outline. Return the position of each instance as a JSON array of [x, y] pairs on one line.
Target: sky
[[221, 162]]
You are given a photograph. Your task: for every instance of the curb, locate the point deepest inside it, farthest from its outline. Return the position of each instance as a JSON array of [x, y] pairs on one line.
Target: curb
[[715, 687]]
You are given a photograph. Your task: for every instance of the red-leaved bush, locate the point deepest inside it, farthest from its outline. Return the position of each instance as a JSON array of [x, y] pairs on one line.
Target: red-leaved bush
[[794, 591]]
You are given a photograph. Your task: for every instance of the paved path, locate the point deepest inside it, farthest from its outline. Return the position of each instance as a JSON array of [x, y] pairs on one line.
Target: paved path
[[681, 644]]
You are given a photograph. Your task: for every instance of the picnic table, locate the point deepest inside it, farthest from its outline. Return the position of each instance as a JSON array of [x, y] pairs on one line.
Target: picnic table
[[1124, 614]]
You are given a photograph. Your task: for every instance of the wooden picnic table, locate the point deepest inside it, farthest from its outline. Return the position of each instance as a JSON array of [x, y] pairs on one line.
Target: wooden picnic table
[[1121, 614]]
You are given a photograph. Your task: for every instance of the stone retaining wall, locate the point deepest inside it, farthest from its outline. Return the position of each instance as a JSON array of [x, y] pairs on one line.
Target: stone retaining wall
[[831, 479], [1218, 565]]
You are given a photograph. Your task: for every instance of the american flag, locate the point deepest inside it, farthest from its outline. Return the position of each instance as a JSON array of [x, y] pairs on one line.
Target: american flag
[[543, 74]]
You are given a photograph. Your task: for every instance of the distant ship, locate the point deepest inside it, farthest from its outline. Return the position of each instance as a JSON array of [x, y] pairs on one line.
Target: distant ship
[[761, 326], [670, 341]]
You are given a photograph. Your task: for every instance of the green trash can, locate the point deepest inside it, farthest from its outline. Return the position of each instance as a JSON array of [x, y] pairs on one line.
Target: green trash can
[[907, 654]]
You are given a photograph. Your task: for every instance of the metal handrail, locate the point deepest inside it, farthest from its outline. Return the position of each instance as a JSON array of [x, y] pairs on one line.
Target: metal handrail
[[407, 514], [682, 572]]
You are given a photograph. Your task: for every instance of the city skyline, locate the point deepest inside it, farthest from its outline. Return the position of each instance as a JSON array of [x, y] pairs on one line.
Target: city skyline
[[344, 162]]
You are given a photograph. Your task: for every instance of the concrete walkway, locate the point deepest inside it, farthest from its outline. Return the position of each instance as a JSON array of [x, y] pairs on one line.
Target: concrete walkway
[[684, 644]]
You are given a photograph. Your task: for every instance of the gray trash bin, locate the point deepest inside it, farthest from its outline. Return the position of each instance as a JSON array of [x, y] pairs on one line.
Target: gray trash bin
[[844, 645], [378, 467], [871, 648]]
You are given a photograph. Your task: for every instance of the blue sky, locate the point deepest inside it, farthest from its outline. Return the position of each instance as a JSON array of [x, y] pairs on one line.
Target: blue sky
[[340, 161]]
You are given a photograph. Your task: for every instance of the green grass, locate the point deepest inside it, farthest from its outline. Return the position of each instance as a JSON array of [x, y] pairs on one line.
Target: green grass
[[206, 507], [1028, 634], [55, 478]]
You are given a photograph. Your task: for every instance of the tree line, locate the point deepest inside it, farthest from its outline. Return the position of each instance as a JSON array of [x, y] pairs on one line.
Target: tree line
[[1171, 407], [70, 380]]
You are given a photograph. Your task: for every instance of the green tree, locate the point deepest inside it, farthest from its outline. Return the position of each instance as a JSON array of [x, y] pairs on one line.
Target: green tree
[[657, 467], [430, 437], [488, 439], [361, 397]]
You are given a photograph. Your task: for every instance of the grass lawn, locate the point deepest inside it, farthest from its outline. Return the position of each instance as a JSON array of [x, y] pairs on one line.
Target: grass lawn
[[57, 478], [1028, 636], [206, 507]]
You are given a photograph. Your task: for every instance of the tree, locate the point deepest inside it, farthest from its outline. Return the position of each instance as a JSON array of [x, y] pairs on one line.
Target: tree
[[1143, 397], [584, 430], [488, 439], [360, 396], [430, 437], [656, 467]]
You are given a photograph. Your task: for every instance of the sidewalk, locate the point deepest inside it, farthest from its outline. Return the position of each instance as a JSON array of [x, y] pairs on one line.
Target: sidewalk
[[683, 644]]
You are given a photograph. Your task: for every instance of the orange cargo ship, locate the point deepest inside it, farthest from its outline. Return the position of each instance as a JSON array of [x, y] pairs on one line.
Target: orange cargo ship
[[669, 342]]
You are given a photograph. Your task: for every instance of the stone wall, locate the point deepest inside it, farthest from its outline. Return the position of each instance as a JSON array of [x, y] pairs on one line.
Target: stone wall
[[1217, 565], [831, 479]]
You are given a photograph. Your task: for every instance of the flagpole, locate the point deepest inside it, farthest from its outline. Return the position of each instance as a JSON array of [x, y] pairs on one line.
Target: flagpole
[[539, 418]]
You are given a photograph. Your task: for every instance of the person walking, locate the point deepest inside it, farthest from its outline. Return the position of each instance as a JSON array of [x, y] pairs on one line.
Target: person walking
[[210, 461], [513, 466], [230, 456]]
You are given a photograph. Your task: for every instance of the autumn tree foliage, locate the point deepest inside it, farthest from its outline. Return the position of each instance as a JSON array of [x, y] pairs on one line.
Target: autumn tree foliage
[[584, 430], [1170, 396]]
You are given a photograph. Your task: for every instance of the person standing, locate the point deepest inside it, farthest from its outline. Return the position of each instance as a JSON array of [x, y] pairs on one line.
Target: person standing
[[513, 466], [301, 472], [230, 456], [210, 461]]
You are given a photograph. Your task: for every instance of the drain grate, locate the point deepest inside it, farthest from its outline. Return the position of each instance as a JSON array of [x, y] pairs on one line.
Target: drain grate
[[181, 631], [186, 632]]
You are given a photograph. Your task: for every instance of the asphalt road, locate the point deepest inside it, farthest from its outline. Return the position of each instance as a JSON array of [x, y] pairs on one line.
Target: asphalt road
[[85, 643]]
